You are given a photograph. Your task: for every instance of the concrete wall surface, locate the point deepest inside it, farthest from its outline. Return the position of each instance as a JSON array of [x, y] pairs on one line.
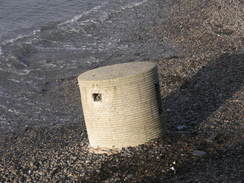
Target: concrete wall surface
[[120, 104]]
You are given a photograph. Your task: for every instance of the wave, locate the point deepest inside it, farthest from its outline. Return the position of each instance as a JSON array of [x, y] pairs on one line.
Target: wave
[[97, 8], [96, 15], [19, 37], [133, 5], [77, 17], [16, 39]]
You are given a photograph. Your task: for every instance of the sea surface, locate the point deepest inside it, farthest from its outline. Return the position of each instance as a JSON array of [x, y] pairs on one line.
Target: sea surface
[[44, 44]]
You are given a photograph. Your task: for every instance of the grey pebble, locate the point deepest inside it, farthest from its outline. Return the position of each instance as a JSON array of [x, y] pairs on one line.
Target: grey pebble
[[199, 153]]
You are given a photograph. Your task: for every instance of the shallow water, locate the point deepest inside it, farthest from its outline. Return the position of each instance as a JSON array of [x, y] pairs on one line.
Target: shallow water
[[40, 58], [17, 16]]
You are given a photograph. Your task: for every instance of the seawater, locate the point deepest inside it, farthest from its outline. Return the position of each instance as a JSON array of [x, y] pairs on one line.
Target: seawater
[[45, 45]]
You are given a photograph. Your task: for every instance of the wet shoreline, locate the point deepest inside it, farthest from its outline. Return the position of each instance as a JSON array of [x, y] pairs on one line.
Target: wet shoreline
[[36, 69]]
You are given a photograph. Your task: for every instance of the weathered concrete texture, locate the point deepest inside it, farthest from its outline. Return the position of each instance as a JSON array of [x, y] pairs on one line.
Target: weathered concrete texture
[[120, 104]]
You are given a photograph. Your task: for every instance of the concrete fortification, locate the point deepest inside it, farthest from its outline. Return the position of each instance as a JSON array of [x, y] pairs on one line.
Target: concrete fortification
[[121, 104]]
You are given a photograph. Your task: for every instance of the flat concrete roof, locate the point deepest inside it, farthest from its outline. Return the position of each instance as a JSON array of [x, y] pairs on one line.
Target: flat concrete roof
[[116, 71]]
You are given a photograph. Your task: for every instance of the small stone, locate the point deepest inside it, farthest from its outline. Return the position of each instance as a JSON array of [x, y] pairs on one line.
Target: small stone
[[130, 176], [29, 172], [173, 169], [41, 173], [180, 127], [73, 158], [31, 164], [199, 153]]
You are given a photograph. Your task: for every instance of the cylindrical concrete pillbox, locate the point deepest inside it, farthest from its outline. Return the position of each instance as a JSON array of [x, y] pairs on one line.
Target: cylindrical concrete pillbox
[[121, 104]]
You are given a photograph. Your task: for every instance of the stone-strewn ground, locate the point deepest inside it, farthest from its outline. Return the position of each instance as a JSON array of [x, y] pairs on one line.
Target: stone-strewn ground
[[202, 92]]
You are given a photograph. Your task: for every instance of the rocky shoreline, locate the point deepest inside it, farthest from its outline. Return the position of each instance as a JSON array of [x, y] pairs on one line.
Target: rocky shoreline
[[202, 94]]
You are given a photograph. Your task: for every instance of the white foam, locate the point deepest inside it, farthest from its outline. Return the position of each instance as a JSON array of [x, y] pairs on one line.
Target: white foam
[[14, 111], [77, 17], [3, 107], [23, 72], [101, 15], [19, 37], [14, 80], [9, 41], [58, 48], [133, 5], [92, 60]]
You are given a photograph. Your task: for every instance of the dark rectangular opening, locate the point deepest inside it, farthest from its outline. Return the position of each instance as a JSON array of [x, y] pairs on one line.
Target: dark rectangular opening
[[97, 97]]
